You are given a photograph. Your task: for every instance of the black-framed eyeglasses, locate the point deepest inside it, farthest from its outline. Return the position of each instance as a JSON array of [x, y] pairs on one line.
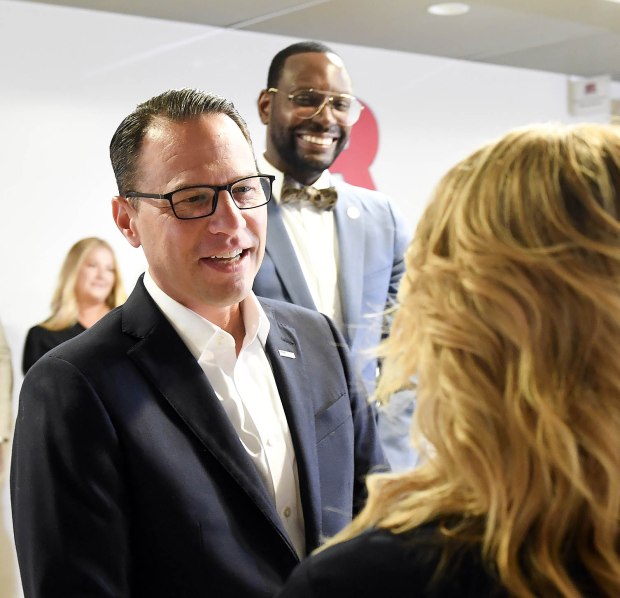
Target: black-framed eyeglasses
[[307, 103], [199, 201]]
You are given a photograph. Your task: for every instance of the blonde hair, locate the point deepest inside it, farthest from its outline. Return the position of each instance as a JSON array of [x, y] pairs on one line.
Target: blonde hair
[[64, 300], [509, 319]]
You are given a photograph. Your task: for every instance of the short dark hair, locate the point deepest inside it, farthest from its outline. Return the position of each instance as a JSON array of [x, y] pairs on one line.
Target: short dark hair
[[175, 105], [277, 64]]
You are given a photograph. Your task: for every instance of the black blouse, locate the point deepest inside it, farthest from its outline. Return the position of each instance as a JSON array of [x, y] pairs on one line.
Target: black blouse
[[380, 564], [41, 340], [418, 563]]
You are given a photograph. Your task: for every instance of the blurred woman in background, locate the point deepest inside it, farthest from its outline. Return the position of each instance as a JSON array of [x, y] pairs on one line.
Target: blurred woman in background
[[89, 286], [509, 316]]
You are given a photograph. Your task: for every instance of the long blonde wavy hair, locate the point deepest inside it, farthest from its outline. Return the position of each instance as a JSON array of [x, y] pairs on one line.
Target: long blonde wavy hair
[[509, 318], [64, 304]]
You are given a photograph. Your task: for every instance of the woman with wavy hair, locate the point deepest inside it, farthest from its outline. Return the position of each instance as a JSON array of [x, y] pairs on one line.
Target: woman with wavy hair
[[508, 318], [89, 286]]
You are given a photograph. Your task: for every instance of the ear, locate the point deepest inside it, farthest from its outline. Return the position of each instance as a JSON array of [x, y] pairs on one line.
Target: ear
[[126, 219], [264, 106]]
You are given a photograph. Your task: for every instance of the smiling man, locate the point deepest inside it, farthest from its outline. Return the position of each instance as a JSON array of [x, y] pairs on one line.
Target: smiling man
[[331, 246], [184, 446]]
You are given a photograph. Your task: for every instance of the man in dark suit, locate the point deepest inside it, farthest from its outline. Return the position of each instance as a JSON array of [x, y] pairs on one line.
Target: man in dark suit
[[196, 441], [331, 246]]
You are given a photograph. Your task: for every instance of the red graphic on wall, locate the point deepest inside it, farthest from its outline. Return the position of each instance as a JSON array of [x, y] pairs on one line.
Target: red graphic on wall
[[356, 159]]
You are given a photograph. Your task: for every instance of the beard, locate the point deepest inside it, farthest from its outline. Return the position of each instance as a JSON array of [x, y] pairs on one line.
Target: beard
[[299, 160]]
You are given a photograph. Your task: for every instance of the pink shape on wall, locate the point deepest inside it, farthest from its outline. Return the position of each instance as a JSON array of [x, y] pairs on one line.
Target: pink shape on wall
[[356, 159]]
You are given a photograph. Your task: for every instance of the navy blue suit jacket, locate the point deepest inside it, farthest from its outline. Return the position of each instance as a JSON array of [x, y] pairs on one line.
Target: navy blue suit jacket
[[128, 479], [372, 237]]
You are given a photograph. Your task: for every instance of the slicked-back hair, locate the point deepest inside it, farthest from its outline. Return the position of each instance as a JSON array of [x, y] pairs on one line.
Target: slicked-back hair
[[175, 105], [277, 64]]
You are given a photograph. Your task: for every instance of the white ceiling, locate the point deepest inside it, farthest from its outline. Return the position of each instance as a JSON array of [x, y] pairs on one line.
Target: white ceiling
[[575, 37]]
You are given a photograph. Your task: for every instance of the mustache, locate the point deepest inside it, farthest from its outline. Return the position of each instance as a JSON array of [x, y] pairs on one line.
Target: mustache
[[314, 127]]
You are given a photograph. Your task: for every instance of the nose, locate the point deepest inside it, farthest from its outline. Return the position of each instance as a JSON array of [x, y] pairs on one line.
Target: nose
[[227, 217], [325, 113]]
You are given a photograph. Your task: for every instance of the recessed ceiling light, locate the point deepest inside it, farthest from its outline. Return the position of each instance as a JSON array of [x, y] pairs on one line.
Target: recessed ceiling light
[[616, 1], [449, 9]]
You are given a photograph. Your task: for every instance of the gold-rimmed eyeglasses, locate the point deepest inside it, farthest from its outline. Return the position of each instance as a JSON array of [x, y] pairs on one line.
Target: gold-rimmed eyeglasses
[[307, 103]]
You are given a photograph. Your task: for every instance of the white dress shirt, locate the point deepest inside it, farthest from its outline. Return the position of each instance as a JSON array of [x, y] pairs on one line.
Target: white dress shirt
[[247, 390], [314, 238]]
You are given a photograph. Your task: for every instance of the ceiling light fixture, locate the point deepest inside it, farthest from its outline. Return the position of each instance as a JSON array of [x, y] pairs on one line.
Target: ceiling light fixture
[[449, 9]]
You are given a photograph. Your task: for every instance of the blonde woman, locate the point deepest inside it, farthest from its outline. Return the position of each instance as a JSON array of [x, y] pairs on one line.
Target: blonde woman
[[510, 318], [89, 286]]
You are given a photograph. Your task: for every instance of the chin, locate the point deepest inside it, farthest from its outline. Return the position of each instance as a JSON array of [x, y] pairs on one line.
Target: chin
[[316, 163], [232, 296], [99, 298]]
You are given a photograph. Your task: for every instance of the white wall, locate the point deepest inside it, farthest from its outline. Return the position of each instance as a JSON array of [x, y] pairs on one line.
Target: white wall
[[68, 77]]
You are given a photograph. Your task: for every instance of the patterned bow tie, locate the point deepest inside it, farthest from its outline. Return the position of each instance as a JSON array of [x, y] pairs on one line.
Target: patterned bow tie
[[321, 199]]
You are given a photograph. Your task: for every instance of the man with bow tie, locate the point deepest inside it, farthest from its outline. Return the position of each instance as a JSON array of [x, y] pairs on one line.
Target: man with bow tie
[[331, 246], [184, 446]]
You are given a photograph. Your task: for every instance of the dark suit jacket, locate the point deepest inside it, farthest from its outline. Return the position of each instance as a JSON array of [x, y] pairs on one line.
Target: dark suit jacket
[[372, 237], [129, 480]]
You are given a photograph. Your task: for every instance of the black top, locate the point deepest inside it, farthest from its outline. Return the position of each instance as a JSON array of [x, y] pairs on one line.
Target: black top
[[380, 564], [40, 340], [419, 563]]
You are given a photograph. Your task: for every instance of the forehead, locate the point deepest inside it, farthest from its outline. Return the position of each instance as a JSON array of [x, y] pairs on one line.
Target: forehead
[[210, 148], [99, 252], [317, 70]]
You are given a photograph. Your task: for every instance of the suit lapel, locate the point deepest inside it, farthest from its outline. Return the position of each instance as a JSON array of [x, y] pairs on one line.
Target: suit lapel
[[295, 389], [182, 383], [351, 243], [282, 254]]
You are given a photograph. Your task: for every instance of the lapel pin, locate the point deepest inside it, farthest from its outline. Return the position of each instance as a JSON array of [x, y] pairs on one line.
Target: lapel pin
[[288, 354], [353, 213]]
